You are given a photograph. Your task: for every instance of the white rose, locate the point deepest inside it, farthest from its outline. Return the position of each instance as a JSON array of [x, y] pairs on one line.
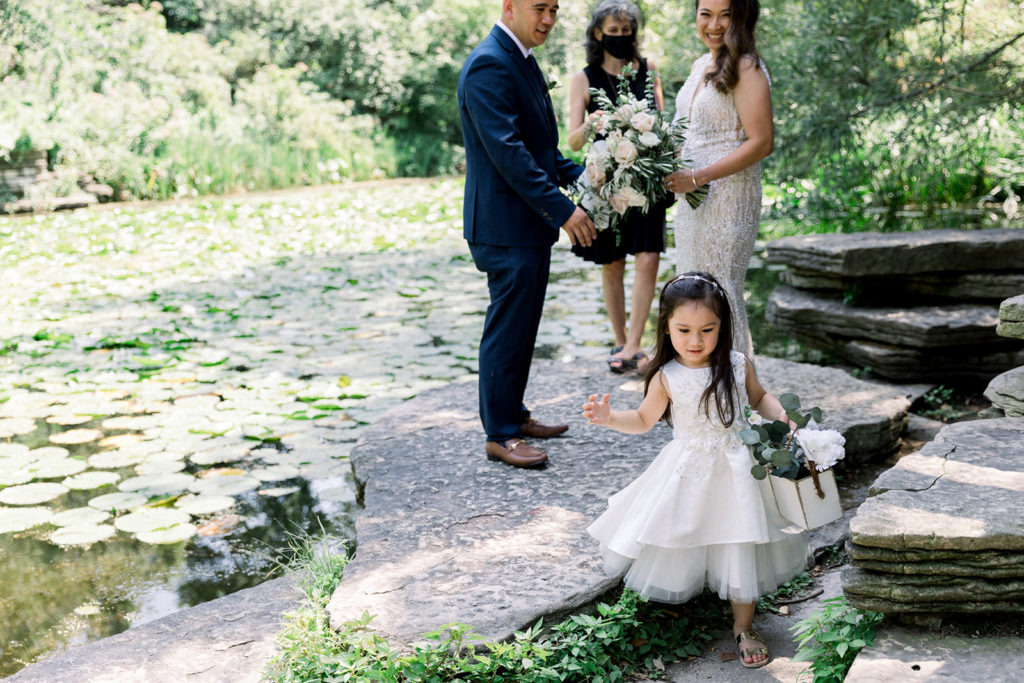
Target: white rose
[[649, 139], [594, 173], [598, 154], [824, 446], [642, 121], [625, 153], [624, 198]]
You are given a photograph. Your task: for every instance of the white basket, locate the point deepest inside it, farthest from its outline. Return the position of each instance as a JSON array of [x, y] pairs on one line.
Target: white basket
[[798, 501]]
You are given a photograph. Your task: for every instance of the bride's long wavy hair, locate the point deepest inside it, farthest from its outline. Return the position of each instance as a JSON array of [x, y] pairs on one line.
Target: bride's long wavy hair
[[721, 390], [739, 42]]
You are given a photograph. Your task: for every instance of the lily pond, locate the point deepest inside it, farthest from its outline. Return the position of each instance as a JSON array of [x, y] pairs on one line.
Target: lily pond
[[181, 385]]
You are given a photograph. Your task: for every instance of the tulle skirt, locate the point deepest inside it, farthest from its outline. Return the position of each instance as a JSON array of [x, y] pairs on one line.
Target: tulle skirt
[[696, 519]]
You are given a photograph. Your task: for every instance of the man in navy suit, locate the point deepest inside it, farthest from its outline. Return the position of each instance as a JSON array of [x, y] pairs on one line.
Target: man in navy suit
[[513, 210]]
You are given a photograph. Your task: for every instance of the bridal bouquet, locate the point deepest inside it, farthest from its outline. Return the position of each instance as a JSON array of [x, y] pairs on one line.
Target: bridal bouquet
[[626, 170], [791, 452]]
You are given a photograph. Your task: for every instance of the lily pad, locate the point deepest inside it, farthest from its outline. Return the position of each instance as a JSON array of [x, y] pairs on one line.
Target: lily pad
[[275, 472], [220, 455], [12, 450], [69, 420], [86, 481], [108, 460], [118, 501], [31, 494], [20, 519], [83, 516], [56, 467], [278, 491], [159, 466], [150, 519], [172, 534], [48, 453], [204, 504], [225, 485], [13, 426], [133, 422], [82, 534], [76, 436], [14, 476], [157, 484]]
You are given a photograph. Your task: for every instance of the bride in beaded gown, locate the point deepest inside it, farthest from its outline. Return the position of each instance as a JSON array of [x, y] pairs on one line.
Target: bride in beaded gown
[[729, 131]]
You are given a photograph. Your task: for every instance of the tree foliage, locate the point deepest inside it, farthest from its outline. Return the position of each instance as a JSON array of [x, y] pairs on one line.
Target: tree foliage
[[876, 103]]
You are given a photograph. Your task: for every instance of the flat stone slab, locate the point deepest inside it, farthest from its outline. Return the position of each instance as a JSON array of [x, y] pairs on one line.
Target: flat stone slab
[[962, 492], [908, 656], [864, 254], [1011, 318], [1012, 310], [937, 343], [925, 327], [911, 288], [922, 593], [227, 640], [448, 536], [1006, 391]]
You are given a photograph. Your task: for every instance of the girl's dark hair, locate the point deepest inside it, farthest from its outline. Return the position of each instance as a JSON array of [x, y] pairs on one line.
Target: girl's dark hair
[[702, 287], [739, 42], [620, 9]]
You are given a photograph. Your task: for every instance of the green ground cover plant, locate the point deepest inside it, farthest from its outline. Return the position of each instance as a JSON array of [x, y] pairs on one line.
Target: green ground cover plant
[[831, 638], [628, 638]]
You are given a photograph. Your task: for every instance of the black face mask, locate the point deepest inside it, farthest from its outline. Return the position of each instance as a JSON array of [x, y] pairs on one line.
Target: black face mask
[[620, 47]]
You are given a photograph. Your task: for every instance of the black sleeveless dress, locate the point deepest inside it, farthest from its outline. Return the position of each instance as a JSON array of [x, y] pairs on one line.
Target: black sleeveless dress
[[638, 231]]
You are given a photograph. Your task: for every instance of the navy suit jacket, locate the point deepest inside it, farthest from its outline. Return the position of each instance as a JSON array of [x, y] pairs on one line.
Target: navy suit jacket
[[513, 166]]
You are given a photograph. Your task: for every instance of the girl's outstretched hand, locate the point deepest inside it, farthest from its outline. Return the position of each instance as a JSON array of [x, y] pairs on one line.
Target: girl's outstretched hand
[[597, 413]]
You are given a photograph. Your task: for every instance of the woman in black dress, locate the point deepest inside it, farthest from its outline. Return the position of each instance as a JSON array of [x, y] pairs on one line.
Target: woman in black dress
[[611, 44]]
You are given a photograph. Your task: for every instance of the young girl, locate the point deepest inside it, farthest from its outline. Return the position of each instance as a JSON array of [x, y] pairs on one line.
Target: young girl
[[697, 517]]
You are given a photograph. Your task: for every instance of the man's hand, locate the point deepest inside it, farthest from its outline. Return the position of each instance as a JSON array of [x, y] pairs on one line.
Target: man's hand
[[580, 228]]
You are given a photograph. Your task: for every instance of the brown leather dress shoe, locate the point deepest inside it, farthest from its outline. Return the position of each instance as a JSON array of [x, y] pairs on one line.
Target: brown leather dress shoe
[[517, 453], [536, 430]]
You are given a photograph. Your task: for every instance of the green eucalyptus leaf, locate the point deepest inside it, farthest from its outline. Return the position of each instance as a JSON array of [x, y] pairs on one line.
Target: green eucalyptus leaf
[[762, 432], [802, 422], [816, 414], [759, 472], [749, 437], [790, 401], [777, 431], [781, 458]]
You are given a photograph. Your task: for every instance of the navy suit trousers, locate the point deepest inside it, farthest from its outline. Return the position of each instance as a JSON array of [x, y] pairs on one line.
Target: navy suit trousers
[[517, 279]]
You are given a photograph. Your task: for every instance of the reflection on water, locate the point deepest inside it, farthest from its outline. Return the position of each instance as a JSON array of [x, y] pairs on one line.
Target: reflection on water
[[53, 597]]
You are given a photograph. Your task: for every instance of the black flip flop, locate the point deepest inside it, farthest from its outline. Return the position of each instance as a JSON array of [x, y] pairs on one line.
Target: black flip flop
[[626, 364]]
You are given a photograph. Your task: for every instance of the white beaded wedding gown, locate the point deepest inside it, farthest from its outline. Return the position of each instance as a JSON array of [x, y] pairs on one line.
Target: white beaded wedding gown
[[697, 517], [718, 236]]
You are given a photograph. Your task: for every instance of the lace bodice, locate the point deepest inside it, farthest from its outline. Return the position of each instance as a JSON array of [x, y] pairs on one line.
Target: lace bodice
[[686, 385], [714, 127]]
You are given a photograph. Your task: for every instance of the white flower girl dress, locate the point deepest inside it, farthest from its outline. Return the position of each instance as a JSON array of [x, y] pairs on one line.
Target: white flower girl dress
[[697, 517]]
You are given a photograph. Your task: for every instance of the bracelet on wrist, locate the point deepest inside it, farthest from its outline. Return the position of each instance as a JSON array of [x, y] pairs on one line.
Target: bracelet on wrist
[[693, 177]]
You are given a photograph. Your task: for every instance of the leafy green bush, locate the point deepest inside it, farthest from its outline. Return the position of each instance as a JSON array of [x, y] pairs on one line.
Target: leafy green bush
[[108, 93]]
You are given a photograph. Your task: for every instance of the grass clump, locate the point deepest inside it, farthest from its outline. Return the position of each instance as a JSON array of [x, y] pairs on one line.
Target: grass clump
[[630, 638]]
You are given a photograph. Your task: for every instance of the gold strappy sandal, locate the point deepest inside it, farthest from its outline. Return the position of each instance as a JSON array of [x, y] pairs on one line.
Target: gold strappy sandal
[[751, 651]]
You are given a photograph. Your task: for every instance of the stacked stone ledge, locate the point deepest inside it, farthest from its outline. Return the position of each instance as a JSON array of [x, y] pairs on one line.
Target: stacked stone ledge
[[912, 306], [1006, 391], [942, 532]]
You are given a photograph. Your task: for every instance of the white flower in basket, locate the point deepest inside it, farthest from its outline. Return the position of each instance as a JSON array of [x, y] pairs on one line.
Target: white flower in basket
[[800, 461]]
